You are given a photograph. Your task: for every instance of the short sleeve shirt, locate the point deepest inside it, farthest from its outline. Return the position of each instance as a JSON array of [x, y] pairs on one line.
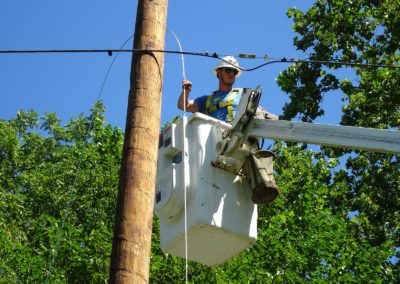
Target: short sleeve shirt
[[217, 98]]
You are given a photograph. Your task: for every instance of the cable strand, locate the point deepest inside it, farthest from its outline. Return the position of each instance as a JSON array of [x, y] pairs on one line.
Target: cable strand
[[206, 54]]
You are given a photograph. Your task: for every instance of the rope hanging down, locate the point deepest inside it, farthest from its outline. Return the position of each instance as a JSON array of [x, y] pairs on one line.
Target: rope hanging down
[[210, 55], [184, 156]]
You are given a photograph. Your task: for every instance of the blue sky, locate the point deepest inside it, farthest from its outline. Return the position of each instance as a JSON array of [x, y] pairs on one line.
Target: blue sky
[[69, 84]]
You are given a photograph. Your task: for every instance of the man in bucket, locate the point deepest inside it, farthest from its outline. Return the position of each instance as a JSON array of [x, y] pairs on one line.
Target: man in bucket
[[222, 104]]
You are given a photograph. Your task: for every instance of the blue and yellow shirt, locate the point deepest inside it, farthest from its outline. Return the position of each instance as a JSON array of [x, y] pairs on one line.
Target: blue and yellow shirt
[[220, 105]]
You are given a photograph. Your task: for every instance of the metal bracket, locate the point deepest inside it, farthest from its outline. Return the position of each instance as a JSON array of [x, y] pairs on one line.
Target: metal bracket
[[236, 146]]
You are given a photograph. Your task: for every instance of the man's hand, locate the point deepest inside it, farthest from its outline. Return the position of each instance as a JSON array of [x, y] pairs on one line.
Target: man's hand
[[186, 86], [183, 102]]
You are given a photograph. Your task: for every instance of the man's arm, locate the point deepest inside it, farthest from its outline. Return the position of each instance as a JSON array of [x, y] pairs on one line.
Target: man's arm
[[183, 100]]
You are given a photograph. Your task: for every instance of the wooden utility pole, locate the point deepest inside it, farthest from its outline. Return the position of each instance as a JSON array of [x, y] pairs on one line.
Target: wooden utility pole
[[130, 259]]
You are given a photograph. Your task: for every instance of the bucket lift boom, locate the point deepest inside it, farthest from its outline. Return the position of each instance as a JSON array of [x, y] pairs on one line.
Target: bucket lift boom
[[248, 126]]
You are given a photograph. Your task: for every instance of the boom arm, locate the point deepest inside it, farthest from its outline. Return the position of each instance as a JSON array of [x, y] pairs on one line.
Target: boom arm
[[240, 140], [357, 138]]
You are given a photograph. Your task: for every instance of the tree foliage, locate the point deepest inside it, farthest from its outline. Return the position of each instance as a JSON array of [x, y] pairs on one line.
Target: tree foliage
[[305, 235], [42, 182], [361, 32]]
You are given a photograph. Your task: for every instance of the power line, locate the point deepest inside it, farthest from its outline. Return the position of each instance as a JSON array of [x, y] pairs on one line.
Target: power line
[[108, 51], [325, 62], [210, 55]]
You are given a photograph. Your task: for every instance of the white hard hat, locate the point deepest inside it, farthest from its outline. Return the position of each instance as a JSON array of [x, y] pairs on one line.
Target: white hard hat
[[230, 62]]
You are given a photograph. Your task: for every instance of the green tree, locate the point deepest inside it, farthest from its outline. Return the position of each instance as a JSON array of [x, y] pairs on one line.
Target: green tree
[[305, 235], [50, 173], [361, 32]]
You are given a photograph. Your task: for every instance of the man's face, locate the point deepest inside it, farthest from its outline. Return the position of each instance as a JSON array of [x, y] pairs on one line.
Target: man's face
[[227, 75]]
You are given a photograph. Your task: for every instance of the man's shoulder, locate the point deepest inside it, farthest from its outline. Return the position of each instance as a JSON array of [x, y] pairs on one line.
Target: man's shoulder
[[203, 98], [201, 102]]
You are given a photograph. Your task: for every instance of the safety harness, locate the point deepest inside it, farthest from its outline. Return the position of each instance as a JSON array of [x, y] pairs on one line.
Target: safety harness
[[228, 103]]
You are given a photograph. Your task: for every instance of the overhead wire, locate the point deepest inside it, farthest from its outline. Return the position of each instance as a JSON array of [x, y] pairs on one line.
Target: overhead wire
[[210, 55]]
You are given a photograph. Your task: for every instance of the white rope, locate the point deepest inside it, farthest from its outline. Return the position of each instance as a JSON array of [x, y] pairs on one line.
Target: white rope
[[184, 154]]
